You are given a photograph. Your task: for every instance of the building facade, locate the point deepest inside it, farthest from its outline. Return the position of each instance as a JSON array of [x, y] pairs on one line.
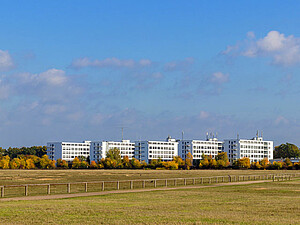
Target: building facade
[[211, 146], [255, 149], [68, 150], [98, 149], [148, 150]]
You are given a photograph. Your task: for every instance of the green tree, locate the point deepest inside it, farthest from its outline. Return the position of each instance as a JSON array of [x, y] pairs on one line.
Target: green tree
[[288, 163], [286, 151], [114, 154], [222, 160]]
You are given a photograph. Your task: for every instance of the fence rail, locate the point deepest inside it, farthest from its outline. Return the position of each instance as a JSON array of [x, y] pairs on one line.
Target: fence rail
[[94, 186]]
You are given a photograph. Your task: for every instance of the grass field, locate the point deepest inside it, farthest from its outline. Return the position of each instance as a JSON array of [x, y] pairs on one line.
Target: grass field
[[16, 177], [12, 177], [265, 203]]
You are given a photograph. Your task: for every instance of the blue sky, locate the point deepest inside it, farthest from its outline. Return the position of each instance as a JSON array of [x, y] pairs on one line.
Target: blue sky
[[81, 70]]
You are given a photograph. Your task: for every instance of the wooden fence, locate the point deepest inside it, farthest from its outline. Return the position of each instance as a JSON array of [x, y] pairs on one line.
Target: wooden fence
[[95, 186]]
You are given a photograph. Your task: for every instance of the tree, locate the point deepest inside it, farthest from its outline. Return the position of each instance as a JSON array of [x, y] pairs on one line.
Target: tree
[[265, 163], [288, 163], [286, 151], [29, 164], [135, 164], [204, 163], [222, 160], [179, 161], [188, 161], [171, 165], [4, 162], [126, 162], [114, 154], [76, 163], [277, 165], [255, 165], [243, 163], [62, 164], [93, 165]]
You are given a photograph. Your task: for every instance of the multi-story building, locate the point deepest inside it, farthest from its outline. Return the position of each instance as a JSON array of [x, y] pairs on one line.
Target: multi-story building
[[148, 150], [98, 149], [255, 149], [68, 150], [211, 146]]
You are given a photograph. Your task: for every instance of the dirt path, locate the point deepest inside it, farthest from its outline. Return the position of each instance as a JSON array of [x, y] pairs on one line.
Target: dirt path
[[86, 194]]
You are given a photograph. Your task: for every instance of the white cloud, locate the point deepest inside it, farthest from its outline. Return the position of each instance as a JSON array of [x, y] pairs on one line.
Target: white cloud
[[179, 65], [53, 77], [283, 50], [109, 62], [6, 61], [219, 78]]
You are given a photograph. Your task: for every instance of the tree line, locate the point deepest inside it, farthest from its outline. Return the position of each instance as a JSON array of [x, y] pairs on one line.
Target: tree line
[[34, 158]]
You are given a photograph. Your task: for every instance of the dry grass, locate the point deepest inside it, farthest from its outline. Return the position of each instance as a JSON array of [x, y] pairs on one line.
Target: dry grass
[[266, 203]]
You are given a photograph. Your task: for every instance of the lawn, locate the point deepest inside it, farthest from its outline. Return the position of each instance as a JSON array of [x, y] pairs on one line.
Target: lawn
[[265, 203]]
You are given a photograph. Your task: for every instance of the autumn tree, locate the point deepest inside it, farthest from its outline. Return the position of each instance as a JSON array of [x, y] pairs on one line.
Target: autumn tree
[[264, 163], [179, 161], [62, 164], [76, 163], [4, 162], [188, 161], [243, 163], [93, 165], [114, 154], [126, 162]]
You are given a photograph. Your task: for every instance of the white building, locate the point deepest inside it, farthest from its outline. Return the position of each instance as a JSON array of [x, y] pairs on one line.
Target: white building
[[98, 149], [148, 150], [211, 146], [68, 150], [255, 149]]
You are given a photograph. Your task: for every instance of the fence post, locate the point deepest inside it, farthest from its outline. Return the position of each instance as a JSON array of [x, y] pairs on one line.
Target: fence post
[[175, 182], [85, 187], [155, 183], [26, 190], [222, 179], [118, 185], [2, 191], [144, 183], [48, 190], [103, 188], [273, 178], [201, 180], [166, 182], [184, 181], [69, 188], [210, 180], [131, 184]]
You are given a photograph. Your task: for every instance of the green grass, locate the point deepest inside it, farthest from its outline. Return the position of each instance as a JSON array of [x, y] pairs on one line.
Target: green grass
[[265, 203]]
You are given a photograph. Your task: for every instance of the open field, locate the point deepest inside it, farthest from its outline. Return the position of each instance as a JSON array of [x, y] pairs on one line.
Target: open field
[[13, 177], [265, 203], [59, 180]]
